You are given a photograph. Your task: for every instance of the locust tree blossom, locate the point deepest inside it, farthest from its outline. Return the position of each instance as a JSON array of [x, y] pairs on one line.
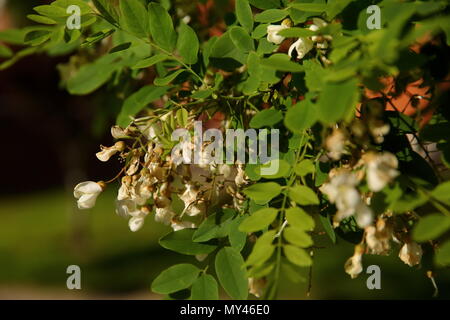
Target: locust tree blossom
[[108, 152], [87, 193], [381, 169], [272, 33], [180, 225], [302, 46], [341, 190], [411, 253], [378, 237], [353, 266]]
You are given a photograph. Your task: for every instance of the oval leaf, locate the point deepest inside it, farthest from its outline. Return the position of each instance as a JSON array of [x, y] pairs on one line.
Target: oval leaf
[[205, 288], [258, 220], [175, 278], [231, 272]]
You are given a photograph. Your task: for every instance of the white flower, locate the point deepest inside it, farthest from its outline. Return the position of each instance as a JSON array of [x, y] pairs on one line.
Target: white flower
[[137, 220], [411, 253], [335, 144], [136, 223], [150, 131], [377, 238], [87, 193], [256, 286], [302, 46], [341, 191], [201, 257], [317, 24], [180, 225], [241, 178], [353, 266], [125, 189], [164, 215], [272, 33], [124, 207], [189, 197], [108, 152], [133, 166], [118, 132], [364, 215], [381, 169]]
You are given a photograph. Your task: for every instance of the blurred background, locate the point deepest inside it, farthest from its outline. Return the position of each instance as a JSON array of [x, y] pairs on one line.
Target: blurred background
[[49, 140]]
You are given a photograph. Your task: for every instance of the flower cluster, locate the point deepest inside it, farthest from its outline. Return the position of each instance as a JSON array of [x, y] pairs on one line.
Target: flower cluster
[[177, 194], [302, 45]]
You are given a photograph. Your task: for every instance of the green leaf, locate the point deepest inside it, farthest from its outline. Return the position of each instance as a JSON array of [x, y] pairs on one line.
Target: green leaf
[[205, 288], [215, 226], [106, 10], [303, 195], [231, 272], [242, 39], [51, 11], [138, 101], [161, 27], [91, 76], [298, 218], [175, 278], [265, 4], [237, 238], [181, 242], [182, 117], [328, 227], [266, 118], [148, 62], [37, 37], [301, 116], [281, 62], [271, 15], [5, 52], [298, 237], [442, 192], [431, 227], [296, 33], [305, 167], [335, 7], [297, 256], [338, 100], [41, 19], [244, 14], [258, 220], [134, 17], [188, 44], [13, 36], [202, 94], [262, 250], [284, 168], [260, 31], [443, 254], [120, 47], [166, 80], [309, 7], [263, 192]]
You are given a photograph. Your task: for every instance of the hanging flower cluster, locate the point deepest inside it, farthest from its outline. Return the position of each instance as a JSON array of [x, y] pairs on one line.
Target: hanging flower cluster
[[151, 182]]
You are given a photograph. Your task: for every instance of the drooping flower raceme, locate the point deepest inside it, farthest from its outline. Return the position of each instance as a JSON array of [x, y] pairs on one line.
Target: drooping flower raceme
[[87, 193]]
